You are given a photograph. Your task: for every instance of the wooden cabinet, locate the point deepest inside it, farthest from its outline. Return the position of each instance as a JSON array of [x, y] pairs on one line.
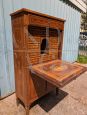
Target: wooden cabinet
[[32, 33]]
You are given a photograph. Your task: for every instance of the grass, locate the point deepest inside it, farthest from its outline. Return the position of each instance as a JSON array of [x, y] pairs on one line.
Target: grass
[[82, 59]]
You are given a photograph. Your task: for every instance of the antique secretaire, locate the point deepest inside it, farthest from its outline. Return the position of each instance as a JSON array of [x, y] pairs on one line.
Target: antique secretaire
[[37, 44]]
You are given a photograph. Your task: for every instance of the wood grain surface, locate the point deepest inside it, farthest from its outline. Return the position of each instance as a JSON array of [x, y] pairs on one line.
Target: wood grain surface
[[58, 72]]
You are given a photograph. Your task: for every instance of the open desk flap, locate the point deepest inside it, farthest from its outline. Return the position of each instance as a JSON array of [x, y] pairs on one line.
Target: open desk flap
[[58, 72]]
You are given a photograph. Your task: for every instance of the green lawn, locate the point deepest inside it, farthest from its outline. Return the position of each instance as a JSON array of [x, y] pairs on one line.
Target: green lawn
[[82, 59]]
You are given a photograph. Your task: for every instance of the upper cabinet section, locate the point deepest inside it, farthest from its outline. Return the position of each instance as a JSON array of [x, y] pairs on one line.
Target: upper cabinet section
[[38, 19]]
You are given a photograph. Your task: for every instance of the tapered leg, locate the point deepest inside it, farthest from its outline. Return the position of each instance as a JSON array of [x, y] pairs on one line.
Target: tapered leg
[[17, 101], [57, 91], [27, 110]]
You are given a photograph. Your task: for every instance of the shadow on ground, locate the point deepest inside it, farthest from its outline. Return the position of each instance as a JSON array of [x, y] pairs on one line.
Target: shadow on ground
[[50, 100]]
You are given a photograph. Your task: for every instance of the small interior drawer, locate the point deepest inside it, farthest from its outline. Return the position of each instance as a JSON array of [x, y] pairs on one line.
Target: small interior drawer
[[38, 20]]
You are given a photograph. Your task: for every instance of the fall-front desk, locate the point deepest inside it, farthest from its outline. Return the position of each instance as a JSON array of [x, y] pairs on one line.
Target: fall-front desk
[[37, 41], [58, 72]]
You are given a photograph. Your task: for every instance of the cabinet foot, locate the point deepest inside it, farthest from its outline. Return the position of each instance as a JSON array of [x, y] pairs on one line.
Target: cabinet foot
[[27, 110], [17, 101]]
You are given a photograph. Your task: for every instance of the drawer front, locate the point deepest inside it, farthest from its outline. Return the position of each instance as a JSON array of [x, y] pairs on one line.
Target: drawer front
[[38, 20], [56, 24], [60, 25]]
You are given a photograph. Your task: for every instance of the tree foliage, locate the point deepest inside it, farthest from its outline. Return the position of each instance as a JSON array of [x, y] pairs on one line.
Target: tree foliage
[[84, 21]]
